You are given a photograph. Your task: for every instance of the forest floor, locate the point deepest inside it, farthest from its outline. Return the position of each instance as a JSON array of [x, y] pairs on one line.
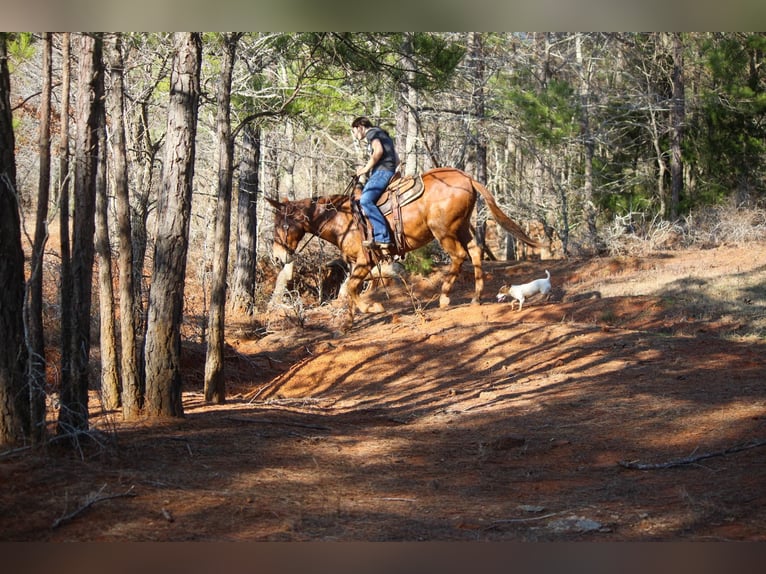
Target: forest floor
[[630, 406]]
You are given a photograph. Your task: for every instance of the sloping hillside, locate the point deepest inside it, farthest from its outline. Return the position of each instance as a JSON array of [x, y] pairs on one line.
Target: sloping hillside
[[629, 406]]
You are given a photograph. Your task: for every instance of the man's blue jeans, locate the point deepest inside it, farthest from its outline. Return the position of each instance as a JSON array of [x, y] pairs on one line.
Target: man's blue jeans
[[372, 191]]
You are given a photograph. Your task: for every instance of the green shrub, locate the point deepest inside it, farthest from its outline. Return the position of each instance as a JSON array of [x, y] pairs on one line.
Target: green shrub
[[421, 261]]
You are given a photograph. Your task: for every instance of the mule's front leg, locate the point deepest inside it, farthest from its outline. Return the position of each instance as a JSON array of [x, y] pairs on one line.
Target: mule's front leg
[[358, 274]]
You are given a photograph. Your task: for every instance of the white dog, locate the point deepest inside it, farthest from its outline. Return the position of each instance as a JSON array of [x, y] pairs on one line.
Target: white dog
[[521, 292]]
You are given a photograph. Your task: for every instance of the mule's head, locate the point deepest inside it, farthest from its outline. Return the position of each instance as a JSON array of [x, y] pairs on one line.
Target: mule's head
[[289, 229]]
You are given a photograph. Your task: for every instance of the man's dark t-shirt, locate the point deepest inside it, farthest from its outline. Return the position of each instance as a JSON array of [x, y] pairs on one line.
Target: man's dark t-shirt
[[390, 160]]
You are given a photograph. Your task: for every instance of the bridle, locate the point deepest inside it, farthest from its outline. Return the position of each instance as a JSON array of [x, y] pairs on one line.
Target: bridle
[[285, 227]]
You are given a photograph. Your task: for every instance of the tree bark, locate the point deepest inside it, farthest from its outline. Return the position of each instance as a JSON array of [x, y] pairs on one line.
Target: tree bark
[[677, 118], [14, 404], [272, 157], [34, 309], [65, 284], [287, 163], [589, 209], [480, 147], [110, 376], [243, 290], [129, 368], [542, 54], [406, 118], [145, 156], [73, 415], [215, 382], [166, 295]]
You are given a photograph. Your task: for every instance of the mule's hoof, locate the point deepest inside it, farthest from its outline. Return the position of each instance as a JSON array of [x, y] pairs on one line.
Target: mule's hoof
[[375, 308], [444, 301]]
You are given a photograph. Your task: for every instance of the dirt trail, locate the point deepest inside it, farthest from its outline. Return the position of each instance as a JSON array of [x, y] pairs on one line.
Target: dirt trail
[[470, 423]]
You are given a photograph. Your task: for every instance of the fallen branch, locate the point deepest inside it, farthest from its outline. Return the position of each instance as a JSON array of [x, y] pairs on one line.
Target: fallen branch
[[529, 519], [273, 422], [73, 434], [90, 501], [167, 515], [279, 379], [14, 451], [252, 395], [690, 459], [497, 522]]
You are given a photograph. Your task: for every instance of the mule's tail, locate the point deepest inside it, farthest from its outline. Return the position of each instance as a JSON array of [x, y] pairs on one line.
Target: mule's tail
[[505, 222]]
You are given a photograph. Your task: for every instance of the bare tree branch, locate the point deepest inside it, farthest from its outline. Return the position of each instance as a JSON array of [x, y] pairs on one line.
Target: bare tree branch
[[90, 501], [690, 459]]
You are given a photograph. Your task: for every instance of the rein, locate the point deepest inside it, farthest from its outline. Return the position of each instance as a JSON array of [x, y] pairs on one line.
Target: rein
[[371, 255], [347, 191], [351, 184]]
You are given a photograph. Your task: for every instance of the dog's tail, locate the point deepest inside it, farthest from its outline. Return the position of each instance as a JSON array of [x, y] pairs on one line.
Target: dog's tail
[[548, 274]]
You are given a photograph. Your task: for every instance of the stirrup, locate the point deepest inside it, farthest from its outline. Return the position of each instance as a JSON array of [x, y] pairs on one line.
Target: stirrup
[[371, 244]]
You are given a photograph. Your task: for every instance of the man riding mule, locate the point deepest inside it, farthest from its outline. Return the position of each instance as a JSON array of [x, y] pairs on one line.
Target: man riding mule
[[442, 212], [381, 167]]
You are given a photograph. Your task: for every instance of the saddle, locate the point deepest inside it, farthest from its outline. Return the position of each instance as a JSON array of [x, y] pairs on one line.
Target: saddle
[[399, 192]]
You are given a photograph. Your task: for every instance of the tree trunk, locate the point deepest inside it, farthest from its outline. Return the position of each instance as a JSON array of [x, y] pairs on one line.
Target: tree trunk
[[677, 118], [14, 404], [215, 383], [110, 376], [542, 52], [166, 296], [480, 147], [656, 144], [513, 169], [288, 159], [73, 415], [406, 117], [34, 317], [131, 384], [65, 283], [271, 162], [589, 209], [243, 291], [145, 158]]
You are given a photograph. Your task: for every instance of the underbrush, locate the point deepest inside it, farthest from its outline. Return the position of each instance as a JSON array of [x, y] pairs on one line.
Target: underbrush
[[637, 233]]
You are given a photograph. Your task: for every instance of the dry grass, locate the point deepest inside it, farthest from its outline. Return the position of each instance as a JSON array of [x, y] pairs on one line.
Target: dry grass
[[726, 224], [703, 294], [729, 291], [638, 234]]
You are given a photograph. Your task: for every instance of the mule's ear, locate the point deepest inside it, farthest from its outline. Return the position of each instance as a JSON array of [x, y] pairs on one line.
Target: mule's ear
[[275, 203]]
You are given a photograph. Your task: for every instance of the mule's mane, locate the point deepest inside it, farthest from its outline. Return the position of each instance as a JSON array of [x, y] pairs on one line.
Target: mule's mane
[[314, 212], [335, 201], [324, 207]]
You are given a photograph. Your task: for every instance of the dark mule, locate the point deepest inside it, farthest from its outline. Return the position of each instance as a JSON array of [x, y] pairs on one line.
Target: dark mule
[[442, 212]]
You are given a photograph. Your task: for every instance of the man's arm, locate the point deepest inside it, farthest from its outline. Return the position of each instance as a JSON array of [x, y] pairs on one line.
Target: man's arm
[[377, 153]]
